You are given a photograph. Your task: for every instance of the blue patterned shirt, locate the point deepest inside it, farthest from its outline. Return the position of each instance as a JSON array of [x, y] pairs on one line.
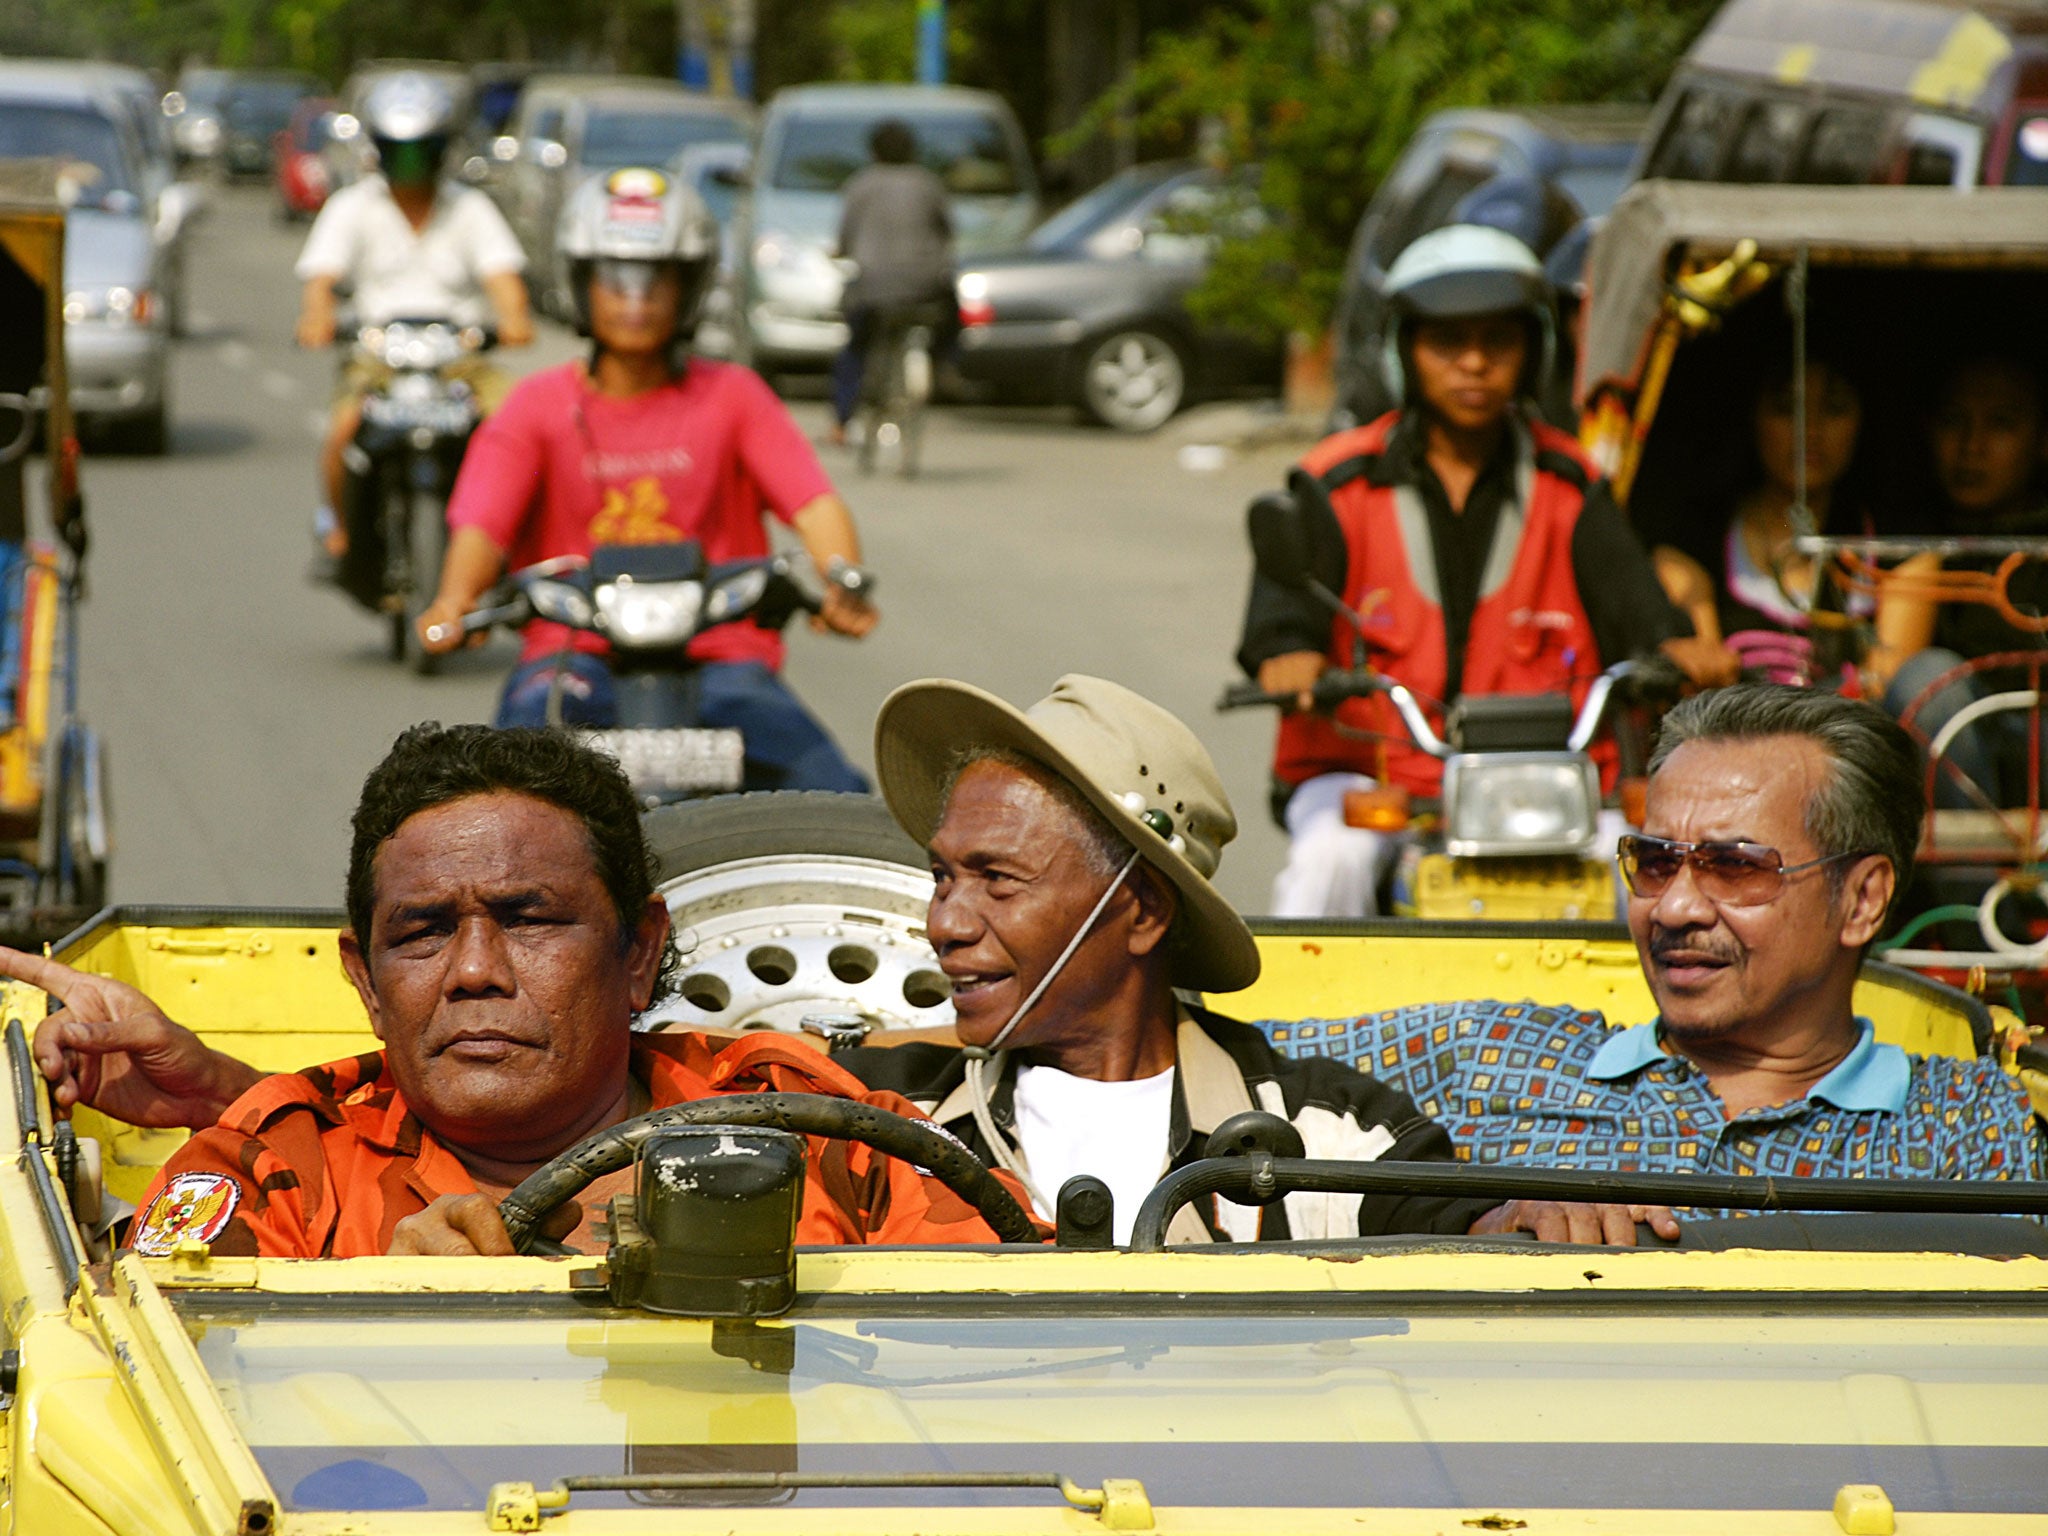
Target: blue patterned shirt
[[1523, 1083]]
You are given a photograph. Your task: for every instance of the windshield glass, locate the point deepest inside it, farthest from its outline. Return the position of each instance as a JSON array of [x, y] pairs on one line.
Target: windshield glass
[[1092, 210], [263, 107], [614, 139], [352, 1402], [970, 151], [1594, 187], [87, 143]]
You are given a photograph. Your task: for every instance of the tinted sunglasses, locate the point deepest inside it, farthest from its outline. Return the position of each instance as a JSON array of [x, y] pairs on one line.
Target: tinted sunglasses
[[1728, 874]]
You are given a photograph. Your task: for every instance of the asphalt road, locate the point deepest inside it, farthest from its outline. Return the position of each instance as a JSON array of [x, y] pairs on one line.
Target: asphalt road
[[242, 706]]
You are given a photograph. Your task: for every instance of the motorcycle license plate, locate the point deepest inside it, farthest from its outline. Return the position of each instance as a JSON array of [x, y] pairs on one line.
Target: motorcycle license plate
[[680, 760], [444, 418]]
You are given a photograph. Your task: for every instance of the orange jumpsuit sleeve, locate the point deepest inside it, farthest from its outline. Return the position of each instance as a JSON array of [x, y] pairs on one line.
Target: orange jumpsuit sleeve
[[242, 1192]]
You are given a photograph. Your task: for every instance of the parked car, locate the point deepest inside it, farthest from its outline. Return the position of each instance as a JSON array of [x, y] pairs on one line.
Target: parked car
[[495, 92], [569, 131], [812, 139], [116, 342], [176, 203], [1924, 92], [1567, 163], [1091, 309], [300, 156], [716, 172], [193, 107], [254, 109]]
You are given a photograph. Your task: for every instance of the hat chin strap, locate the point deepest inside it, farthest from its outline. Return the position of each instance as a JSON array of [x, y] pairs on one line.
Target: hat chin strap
[[979, 1055]]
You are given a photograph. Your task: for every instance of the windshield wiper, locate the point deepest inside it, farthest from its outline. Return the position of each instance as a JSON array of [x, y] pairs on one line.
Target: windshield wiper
[[1121, 1502]]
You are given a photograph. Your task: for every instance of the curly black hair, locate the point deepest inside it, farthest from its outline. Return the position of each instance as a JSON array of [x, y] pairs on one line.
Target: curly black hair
[[432, 765]]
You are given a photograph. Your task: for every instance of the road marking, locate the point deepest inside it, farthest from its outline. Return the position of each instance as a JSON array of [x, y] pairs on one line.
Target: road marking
[[277, 384], [236, 354]]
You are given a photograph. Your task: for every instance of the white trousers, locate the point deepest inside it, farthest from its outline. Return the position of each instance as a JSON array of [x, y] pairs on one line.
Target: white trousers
[[1333, 870]]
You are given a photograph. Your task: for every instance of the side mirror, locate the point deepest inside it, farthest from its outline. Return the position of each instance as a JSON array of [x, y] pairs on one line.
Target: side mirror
[[1280, 544], [734, 176]]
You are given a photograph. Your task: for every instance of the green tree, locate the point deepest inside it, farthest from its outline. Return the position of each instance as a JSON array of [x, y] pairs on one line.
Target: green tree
[[1324, 96]]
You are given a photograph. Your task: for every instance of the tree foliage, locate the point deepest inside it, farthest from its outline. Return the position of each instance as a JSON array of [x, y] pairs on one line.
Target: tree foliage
[[1323, 96]]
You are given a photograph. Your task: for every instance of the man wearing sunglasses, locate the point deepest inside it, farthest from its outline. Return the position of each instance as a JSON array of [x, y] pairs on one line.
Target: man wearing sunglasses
[[1781, 824]]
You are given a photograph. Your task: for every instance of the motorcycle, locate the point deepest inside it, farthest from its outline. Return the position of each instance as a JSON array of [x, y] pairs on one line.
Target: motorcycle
[[649, 601], [1516, 832], [402, 463]]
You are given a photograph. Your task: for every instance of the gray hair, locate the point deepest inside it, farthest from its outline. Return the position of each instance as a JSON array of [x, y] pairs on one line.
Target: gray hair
[[1873, 800], [1104, 848]]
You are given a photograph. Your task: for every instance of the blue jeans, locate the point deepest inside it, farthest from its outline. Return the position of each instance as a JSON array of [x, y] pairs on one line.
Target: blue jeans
[[786, 747], [1991, 750]]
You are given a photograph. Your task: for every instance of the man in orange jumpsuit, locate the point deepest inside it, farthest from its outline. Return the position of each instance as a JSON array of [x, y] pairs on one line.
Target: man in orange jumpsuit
[[503, 932]]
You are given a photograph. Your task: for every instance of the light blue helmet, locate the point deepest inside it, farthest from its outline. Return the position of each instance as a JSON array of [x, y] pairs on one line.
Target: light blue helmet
[[1460, 270]]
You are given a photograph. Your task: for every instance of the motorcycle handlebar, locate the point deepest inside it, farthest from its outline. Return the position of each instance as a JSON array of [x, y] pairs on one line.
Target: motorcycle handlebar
[[1333, 688], [1330, 690]]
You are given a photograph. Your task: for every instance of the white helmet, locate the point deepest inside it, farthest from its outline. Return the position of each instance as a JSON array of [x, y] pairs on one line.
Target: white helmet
[[638, 215], [1459, 270], [408, 106]]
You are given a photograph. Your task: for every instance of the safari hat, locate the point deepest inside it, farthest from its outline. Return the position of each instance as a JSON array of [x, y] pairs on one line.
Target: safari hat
[[1135, 763]]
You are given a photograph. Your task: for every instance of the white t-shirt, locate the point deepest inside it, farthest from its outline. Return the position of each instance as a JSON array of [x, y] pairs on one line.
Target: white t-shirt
[[363, 239], [1069, 1125]]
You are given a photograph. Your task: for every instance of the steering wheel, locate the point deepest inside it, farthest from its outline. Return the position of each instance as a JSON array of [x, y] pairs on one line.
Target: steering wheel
[[917, 1142]]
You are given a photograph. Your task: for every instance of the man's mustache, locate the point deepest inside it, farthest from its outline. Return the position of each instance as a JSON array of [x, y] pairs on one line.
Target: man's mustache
[[1664, 944]]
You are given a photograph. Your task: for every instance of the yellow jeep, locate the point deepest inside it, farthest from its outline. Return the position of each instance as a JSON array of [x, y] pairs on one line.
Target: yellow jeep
[[1385, 1385]]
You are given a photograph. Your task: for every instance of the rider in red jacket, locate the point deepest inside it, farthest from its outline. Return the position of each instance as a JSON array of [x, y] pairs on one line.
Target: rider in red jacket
[[1479, 546]]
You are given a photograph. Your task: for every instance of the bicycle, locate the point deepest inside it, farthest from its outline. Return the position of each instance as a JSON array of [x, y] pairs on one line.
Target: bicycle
[[895, 385]]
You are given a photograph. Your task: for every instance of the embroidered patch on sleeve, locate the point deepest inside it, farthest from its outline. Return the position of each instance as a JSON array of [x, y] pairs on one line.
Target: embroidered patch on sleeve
[[194, 1205]]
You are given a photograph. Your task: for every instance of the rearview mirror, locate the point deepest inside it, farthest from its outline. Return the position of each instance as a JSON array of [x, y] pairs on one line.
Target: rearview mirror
[[1280, 547]]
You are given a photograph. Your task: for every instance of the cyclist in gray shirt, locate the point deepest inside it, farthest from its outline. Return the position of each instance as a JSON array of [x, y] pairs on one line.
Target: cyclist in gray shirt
[[897, 228]]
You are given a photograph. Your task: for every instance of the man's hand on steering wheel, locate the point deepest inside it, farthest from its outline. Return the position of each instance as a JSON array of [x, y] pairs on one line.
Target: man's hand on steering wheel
[[464, 1226]]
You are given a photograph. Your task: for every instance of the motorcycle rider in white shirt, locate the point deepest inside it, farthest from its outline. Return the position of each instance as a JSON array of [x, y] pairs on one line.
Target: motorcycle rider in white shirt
[[405, 243]]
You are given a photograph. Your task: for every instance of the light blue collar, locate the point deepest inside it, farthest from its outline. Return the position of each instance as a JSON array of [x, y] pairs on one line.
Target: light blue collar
[[1872, 1078]]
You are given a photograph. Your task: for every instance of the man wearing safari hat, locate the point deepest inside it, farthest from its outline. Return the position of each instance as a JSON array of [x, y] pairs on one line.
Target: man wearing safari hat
[[1072, 848]]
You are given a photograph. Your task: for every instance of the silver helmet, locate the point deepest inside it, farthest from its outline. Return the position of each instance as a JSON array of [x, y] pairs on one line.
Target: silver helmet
[[408, 106], [644, 217], [1459, 270]]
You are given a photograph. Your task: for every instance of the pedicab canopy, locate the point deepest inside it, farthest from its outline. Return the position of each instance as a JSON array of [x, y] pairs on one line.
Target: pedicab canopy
[[32, 290], [1935, 52], [1661, 232]]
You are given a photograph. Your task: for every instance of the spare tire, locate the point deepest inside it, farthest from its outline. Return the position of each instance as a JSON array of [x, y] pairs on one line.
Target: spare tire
[[795, 903]]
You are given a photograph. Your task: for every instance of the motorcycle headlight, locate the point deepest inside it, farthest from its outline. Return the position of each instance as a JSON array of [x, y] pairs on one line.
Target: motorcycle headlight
[[730, 599], [414, 388], [561, 602], [1499, 803], [650, 613]]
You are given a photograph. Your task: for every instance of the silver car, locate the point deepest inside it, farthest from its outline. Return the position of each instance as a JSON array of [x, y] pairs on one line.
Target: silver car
[[568, 130], [115, 337], [813, 138]]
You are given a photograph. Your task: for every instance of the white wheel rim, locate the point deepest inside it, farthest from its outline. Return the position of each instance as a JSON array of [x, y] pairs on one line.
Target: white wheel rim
[[772, 939], [1135, 380]]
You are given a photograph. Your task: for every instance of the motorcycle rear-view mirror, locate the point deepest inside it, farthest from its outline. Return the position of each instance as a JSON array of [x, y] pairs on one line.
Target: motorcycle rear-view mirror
[[1280, 546]]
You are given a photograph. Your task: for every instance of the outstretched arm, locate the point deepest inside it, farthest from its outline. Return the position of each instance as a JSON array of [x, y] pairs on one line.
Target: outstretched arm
[[110, 1048]]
